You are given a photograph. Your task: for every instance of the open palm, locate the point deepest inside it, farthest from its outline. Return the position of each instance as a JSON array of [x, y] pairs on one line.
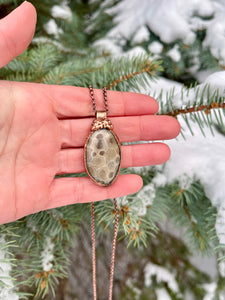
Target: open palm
[[42, 134]]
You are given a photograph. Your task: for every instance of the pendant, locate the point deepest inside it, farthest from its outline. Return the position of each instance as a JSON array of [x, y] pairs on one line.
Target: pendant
[[102, 151]]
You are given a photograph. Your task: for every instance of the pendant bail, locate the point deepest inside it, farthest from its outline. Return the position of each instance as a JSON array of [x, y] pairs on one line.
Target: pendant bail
[[101, 115]]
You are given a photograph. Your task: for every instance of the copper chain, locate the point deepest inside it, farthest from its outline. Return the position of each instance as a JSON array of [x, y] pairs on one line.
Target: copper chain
[[93, 220], [94, 102], [113, 250], [93, 251]]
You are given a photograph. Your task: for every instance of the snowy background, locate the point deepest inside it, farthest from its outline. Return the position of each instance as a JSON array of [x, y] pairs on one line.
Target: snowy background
[[196, 156]]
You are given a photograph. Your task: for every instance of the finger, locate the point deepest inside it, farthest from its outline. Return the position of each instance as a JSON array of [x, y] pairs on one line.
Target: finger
[[71, 160], [16, 32], [70, 101], [66, 191], [128, 129]]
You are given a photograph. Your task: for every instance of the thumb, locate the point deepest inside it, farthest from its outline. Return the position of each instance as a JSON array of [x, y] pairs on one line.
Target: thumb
[[16, 32]]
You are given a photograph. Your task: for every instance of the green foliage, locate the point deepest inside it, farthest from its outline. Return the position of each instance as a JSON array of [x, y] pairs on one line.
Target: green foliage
[[45, 63], [191, 209], [33, 234], [170, 253], [201, 104], [194, 57]]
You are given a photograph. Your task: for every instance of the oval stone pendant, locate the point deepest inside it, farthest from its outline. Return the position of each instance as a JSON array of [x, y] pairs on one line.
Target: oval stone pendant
[[102, 153]]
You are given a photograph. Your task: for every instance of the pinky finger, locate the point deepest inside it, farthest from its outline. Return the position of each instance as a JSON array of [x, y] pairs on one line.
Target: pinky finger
[[66, 191]]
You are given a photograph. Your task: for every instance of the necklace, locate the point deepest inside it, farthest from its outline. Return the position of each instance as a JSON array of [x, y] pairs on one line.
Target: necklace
[[102, 153], [102, 159]]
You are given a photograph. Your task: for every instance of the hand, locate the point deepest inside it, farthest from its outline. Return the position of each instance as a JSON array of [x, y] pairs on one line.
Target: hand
[[42, 134]]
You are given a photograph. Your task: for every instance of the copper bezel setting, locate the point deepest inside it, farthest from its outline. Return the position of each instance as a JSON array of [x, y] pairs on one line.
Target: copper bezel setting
[[119, 167]]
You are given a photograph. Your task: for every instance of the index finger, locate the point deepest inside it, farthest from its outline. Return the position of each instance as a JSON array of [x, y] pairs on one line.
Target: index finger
[[70, 101]]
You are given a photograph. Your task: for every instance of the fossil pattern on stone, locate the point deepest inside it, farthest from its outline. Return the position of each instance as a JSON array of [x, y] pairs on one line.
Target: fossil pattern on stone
[[102, 156]]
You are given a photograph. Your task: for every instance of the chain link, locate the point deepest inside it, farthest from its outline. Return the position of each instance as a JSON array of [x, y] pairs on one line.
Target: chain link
[[112, 265], [94, 101], [113, 249], [93, 219], [105, 99], [93, 251]]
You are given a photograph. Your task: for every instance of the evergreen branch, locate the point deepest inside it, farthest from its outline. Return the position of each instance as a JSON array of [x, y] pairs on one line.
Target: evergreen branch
[[187, 207], [193, 224], [195, 104], [79, 72], [206, 108], [148, 68], [125, 73], [71, 74]]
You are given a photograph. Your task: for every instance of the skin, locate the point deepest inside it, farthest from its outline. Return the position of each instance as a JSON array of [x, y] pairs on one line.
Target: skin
[[42, 134]]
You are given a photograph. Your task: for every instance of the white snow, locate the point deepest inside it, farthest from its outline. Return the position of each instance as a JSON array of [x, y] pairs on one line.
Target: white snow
[[174, 53], [147, 194], [172, 20], [221, 267], [184, 181], [141, 35], [201, 76], [155, 47], [6, 292], [199, 157], [165, 18], [215, 37], [58, 11], [196, 157], [159, 179], [144, 198], [109, 46], [210, 288], [62, 11], [220, 220], [47, 256], [221, 296], [135, 52], [204, 156], [162, 275], [52, 28], [195, 63], [162, 88], [217, 81], [122, 201], [162, 294]]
